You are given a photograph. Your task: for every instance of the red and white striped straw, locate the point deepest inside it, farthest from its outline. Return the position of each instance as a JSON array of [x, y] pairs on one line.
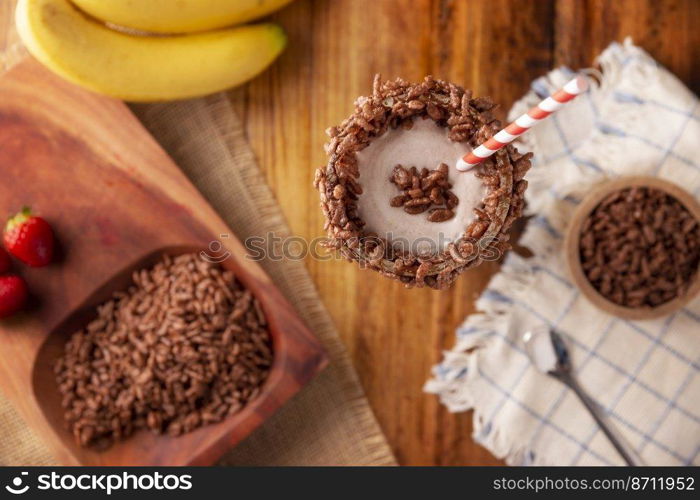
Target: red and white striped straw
[[552, 103]]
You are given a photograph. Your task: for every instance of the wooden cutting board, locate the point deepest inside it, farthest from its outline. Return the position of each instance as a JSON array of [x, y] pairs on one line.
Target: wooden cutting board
[[115, 200]]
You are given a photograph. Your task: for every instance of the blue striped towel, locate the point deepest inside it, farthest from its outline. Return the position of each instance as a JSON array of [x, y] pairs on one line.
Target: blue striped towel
[[645, 374]]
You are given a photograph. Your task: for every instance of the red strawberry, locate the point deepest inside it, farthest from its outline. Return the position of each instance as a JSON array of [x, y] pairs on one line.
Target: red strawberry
[[13, 295], [4, 261], [29, 238]]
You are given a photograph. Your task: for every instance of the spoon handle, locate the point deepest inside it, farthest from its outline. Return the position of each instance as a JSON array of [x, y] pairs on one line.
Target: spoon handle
[[596, 413]]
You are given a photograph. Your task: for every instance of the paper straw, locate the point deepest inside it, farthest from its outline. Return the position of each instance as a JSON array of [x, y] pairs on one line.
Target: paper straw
[[545, 108]]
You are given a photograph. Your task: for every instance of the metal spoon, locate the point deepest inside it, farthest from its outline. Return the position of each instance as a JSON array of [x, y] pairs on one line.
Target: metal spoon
[[561, 370]]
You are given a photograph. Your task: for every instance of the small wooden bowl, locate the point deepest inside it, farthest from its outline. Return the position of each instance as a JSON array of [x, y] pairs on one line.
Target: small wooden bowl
[[573, 237]]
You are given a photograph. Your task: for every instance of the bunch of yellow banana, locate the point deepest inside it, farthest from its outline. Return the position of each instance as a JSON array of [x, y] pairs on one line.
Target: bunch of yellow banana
[[193, 56]]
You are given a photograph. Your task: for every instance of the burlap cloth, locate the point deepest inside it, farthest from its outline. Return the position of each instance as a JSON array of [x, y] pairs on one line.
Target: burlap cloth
[[329, 422]]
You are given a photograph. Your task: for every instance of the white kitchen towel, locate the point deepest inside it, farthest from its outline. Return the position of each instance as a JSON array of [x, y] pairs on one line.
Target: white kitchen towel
[[645, 374]]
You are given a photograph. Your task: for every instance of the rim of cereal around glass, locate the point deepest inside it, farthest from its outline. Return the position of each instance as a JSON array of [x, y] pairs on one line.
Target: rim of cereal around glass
[[399, 105]]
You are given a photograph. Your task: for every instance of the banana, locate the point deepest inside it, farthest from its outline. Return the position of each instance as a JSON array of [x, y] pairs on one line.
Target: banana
[[183, 16], [136, 68]]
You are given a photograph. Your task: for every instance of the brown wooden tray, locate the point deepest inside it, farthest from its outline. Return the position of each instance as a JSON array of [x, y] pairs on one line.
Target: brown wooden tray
[[116, 201]]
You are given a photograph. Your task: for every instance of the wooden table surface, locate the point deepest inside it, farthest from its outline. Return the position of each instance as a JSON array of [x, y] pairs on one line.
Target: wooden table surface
[[495, 47]]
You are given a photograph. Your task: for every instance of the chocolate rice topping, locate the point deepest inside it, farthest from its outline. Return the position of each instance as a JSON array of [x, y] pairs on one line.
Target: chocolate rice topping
[[640, 247], [425, 190]]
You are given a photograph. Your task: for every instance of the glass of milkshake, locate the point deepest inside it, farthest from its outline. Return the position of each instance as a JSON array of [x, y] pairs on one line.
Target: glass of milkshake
[[392, 197]]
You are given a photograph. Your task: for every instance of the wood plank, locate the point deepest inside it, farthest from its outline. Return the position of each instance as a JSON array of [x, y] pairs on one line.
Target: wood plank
[[494, 47], [667, 29]]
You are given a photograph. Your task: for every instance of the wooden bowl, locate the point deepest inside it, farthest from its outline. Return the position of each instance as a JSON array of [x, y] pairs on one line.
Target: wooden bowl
[[117, 202], [295, 361], [571, 245]]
